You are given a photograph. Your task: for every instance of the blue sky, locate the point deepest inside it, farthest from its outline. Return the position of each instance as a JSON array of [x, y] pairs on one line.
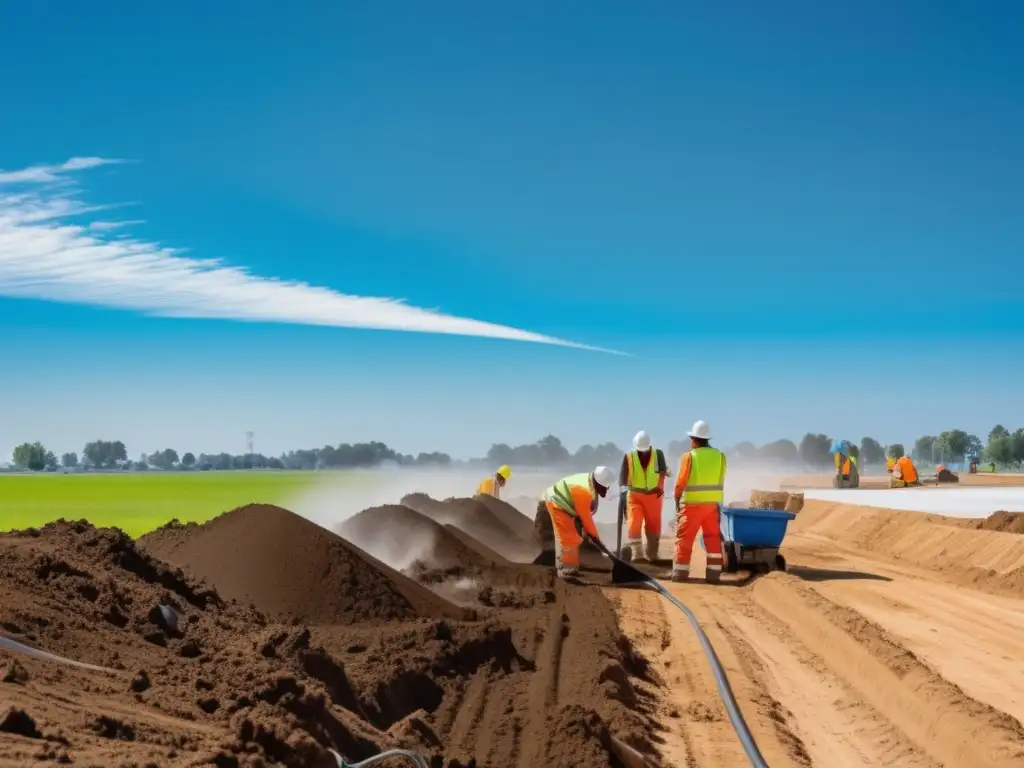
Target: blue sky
[[758, 202]]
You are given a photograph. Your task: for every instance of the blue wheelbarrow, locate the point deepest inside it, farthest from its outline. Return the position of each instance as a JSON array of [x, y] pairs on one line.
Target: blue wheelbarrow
[[751, 539]]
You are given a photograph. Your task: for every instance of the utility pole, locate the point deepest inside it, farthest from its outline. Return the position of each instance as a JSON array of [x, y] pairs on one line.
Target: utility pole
[[248, 447]]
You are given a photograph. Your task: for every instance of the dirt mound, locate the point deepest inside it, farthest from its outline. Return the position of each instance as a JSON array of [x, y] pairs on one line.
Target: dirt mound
[[291, 568], [955, 547], [945, 476], [520, 524], [475, 518], [216, 683], [1006, 522], [184, 679], [393, 530]]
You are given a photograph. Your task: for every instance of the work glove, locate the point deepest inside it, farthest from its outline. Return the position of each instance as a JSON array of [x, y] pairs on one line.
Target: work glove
[[623, 490]]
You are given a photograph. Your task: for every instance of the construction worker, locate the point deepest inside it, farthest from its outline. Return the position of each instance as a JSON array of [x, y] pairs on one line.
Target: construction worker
[[890, 463], [491, 486], [571, 500], [904, 474], [699, 492], [847, 475], [642, 481]]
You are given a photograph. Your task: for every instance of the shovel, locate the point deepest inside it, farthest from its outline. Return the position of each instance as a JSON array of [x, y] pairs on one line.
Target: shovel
[[622, 572]]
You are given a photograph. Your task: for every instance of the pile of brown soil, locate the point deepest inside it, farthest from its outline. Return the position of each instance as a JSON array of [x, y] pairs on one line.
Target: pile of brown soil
[[474, 517], [945, 476], [444, 548], [517, 522], [290, 568], [217, 683], [187, 681], [1006, 522]]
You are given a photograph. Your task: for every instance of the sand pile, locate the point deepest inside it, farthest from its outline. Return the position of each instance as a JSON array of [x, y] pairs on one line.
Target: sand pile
[[520, 524], [291, 568], [1007, 522], [987, 559], [385, 531], [474, 517], [187, 683], [217, 683]]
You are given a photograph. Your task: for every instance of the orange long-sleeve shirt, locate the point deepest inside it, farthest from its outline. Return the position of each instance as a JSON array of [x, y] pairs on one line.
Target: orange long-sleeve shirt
[[683, 476]]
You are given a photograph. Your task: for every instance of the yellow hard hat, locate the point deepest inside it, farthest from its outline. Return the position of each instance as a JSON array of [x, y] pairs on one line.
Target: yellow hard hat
[[505, 471]]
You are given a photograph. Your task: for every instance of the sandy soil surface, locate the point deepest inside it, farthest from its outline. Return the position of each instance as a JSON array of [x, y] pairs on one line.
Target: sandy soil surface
[[893, 640], [983, 479]]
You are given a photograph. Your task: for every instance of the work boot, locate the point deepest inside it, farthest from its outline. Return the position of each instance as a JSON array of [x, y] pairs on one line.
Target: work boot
[[680, 577], [653, 542], [636, 552], [713, 577]]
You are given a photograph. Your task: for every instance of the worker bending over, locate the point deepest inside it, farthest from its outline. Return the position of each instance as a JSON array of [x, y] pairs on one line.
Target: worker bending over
[[642, 482], [904, 474], [573, 499], [491, 486], [699, 494], [847, 475]]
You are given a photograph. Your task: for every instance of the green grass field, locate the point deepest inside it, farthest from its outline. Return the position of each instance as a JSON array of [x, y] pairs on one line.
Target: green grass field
[[140, 502]]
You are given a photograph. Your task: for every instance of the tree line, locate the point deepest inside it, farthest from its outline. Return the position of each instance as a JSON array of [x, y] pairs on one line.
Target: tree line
[[814, 450]]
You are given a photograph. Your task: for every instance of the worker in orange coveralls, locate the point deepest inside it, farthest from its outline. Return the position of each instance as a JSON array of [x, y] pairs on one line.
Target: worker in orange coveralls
[[642, 479], [575, 498], [904, 474], [699, 492]]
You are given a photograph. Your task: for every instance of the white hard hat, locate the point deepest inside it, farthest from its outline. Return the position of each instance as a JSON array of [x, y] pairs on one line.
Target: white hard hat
[[700, 429], [642, 441], [604, 476]]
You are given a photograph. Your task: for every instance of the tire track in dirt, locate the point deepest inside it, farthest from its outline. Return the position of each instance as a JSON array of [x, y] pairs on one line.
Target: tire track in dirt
[[938, 717], [697, 731]]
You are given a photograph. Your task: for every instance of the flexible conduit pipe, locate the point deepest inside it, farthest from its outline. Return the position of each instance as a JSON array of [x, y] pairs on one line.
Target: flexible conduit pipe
[[724, 690], [412, 757]]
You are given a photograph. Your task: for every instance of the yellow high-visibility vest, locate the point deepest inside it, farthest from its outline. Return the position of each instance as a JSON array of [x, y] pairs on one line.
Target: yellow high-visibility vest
[[707, 476], [645, 480], [560, 494]]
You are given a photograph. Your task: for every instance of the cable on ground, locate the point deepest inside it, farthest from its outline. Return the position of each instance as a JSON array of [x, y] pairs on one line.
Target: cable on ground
[[412, 757]]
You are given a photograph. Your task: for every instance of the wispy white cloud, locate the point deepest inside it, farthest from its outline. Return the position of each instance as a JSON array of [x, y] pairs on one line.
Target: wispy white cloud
[[46, 253]]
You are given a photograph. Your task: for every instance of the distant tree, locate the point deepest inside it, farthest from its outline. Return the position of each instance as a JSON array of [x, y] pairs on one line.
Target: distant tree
[[1002, 450], [105, 454], [998, 431], [164, 460], [69, 460], [895, 451], [499, 454], [188, 460], [744, 451], [854, 451], [871, 451], [434, 459], [30, 456], [974, 448], [926, 448], [780, 452], [815, 450], [553, 451], [952, 445]]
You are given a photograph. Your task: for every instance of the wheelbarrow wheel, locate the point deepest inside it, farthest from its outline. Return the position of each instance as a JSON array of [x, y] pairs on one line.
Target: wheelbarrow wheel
[[729, 552], [780, 563]]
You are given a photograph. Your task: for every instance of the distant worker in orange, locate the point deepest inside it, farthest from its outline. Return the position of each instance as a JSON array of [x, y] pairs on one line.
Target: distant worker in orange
[[699, 492], [491, 486], [575, 498], [642, 480], [904, 474]]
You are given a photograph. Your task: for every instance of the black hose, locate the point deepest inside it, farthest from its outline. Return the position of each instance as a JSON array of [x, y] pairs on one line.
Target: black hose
[[724, 689]]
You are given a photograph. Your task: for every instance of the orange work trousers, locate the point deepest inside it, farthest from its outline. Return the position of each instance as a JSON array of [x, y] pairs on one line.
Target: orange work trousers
[[643, 513], [691, 520], [566, 536]]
